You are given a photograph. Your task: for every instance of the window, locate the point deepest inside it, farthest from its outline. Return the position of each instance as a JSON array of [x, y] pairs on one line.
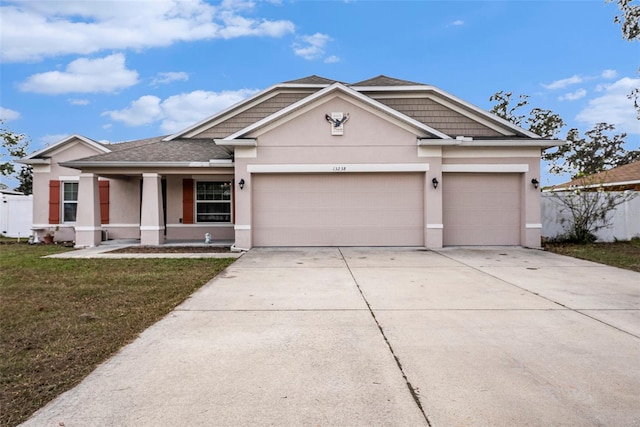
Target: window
[[69, 201], [213, 202]]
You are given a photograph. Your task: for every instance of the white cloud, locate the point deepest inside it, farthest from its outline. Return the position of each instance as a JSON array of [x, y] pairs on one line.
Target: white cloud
[[79, 101], [457, 22], [560, 84], [179, 111], [52, 139], [609, 74], [84, 75], [312, 47], [613, 107], [172, 76], [572, 96], [144, 110], [332, 59], [7, 114], [38, 29]]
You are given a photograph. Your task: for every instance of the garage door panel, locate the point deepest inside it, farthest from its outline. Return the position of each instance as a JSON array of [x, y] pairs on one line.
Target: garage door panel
[[481, 209], [338, 209]]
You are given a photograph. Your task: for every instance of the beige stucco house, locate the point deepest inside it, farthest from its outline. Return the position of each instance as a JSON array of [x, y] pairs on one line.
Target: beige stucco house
[[309, 162]]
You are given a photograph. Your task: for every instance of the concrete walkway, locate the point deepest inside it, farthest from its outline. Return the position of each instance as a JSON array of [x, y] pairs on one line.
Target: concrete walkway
[[361, 337], [104, 250]]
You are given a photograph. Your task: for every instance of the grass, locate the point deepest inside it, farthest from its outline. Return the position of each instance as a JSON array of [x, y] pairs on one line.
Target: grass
[[60, 318], [618, 254]]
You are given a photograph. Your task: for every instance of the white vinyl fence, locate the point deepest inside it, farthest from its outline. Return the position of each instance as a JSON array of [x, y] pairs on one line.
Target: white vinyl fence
[[16, 213], [625, 223]]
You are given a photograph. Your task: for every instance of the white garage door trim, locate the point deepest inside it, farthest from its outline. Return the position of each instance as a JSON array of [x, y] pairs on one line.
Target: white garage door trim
[[348, 167], [482, 208], [346, 209], [486, 168]]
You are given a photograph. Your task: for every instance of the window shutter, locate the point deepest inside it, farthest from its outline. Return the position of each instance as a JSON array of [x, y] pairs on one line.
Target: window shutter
[[187, 201], [54, 202], [103, 187]]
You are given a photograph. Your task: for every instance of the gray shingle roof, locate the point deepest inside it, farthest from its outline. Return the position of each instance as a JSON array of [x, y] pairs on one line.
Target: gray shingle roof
[[180, 150], [312, 80], [117, 146], [383, 80]]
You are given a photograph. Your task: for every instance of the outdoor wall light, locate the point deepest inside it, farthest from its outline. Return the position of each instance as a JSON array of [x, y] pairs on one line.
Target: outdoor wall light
[[241, 183], [435, 182], [535, 183]]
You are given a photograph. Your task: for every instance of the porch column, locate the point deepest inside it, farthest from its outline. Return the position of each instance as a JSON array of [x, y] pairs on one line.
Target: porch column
[[151, 218], [88, 229]]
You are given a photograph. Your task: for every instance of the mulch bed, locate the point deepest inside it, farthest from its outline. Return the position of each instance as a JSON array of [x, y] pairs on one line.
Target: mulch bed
[[171, 250]]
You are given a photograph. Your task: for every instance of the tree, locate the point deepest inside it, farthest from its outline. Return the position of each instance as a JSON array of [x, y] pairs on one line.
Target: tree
[[545, 123], [15, 146], [587, 156], [629, 19], [589, 208]]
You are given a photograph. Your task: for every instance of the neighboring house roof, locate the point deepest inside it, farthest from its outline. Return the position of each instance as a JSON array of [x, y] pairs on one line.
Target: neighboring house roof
[[10, 192], [625, 177]]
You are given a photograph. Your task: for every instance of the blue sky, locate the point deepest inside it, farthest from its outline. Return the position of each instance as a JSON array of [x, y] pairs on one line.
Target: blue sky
[[123, 70]]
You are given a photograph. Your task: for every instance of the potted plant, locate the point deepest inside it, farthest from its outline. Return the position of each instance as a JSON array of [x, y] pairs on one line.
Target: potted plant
[[48, 235]]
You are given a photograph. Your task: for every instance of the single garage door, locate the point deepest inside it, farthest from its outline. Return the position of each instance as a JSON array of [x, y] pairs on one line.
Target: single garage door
[[481, 208], [340, 209]]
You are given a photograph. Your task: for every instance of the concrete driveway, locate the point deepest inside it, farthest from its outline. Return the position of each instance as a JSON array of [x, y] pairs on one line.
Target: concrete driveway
[[406, 337]]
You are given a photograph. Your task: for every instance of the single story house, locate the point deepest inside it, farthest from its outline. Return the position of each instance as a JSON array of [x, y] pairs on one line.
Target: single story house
[[307, 162]]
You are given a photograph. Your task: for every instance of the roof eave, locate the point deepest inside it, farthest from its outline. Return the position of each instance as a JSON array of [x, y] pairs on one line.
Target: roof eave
[[470, 142], [28, 161], [214, 163]]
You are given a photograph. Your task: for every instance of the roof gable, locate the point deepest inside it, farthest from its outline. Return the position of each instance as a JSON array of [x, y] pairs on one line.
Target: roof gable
[[345, 90], [100, 148]]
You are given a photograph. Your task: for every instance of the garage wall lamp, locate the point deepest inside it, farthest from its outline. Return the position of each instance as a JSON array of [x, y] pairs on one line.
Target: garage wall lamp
[[241, 183], [435, 182], [535, 183]]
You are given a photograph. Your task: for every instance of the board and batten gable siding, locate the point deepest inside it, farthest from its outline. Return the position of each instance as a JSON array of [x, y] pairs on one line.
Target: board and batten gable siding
[[253, 114], [439, 116]]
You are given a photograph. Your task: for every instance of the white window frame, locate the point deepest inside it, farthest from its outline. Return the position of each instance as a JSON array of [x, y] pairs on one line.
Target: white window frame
[[64, 202], [229, 202]]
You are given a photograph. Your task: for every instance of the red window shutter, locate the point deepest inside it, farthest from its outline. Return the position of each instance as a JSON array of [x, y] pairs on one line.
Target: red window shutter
[[187, 201], [54, 202], [103, 187]]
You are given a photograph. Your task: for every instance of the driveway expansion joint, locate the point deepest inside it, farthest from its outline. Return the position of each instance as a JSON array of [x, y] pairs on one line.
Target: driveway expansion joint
[[412, 390]]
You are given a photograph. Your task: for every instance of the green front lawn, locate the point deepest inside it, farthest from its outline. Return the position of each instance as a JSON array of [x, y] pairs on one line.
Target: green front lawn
[[618, 254], [60, 318]]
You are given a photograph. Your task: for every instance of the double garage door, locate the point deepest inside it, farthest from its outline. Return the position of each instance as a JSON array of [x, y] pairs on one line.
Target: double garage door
[[339, 209], [383, 209]]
